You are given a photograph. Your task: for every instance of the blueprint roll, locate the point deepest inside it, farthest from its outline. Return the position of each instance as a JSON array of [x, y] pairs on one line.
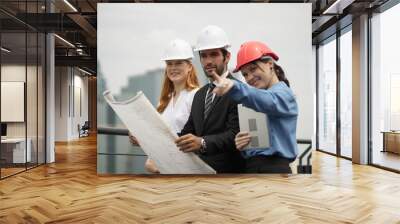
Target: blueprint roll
[[155, 136]]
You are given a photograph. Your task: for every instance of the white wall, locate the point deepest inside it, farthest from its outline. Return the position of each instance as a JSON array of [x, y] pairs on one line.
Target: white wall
[[82, 83], [61, 103], [12, 73], [33, 126], [70, 84], [81, 103], [314, 98]]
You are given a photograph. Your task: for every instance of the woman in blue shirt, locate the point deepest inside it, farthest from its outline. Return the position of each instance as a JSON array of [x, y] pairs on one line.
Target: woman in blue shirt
[[268, 92]]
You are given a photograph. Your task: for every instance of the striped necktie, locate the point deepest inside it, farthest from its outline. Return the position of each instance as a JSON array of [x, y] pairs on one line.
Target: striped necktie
[[209, 99]]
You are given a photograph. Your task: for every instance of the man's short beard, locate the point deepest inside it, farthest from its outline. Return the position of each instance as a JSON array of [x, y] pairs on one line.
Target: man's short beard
[[219, 71]]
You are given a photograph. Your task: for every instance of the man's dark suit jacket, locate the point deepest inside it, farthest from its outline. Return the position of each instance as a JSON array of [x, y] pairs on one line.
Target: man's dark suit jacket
[[218, 130]]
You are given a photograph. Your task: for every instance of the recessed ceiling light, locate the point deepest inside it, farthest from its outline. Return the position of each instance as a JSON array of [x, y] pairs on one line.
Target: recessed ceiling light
[[70, 5], [64, 40], [84, 71], [5, 50]]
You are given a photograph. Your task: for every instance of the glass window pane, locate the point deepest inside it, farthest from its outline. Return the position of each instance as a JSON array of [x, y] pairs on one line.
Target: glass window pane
[[41, 98], [22, 64], [386, 89], [346, 94], [327, 96], [14, 151], [31, 97]]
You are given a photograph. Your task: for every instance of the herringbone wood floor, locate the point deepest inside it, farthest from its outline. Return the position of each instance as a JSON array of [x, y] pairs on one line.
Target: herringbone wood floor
[[69, 191]]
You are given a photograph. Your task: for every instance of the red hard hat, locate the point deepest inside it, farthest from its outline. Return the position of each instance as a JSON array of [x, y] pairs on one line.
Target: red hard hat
[[251, 51]]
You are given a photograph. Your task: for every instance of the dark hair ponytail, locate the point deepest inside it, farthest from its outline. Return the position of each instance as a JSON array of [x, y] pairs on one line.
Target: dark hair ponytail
[[278, 70], [281, 74]]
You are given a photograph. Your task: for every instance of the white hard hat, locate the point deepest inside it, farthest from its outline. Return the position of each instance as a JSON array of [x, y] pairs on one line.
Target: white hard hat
[[212, 37], [178, 50]]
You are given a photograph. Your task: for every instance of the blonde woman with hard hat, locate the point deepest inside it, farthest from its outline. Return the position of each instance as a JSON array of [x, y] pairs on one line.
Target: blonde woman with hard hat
[[268, 92], [179, 86], [213, 121]]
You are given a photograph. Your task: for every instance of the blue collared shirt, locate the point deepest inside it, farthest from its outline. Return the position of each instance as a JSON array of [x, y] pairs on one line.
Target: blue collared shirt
[[280, 106]]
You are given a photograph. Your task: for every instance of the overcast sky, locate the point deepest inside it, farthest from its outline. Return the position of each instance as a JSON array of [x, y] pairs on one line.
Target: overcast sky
[[132, 37]]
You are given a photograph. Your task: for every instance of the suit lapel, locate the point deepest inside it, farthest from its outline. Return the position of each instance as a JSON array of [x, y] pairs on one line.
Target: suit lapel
[[202, 98], [217, 99]]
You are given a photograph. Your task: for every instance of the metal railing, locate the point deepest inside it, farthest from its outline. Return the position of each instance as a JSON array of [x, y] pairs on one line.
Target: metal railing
[[112, 131], [303, 168]]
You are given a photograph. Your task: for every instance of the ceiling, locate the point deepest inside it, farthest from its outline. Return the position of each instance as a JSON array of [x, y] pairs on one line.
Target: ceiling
[[76, 22]]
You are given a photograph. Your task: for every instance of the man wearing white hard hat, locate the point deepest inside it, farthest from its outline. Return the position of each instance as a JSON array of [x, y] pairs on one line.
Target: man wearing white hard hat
[[178, 89], [213, 121]]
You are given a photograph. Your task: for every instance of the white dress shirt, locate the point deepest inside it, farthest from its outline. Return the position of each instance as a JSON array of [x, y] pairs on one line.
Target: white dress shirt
[[178, 109]]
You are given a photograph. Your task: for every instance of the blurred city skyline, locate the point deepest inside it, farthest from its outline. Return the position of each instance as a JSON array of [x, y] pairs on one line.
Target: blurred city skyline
[[132, 37]]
